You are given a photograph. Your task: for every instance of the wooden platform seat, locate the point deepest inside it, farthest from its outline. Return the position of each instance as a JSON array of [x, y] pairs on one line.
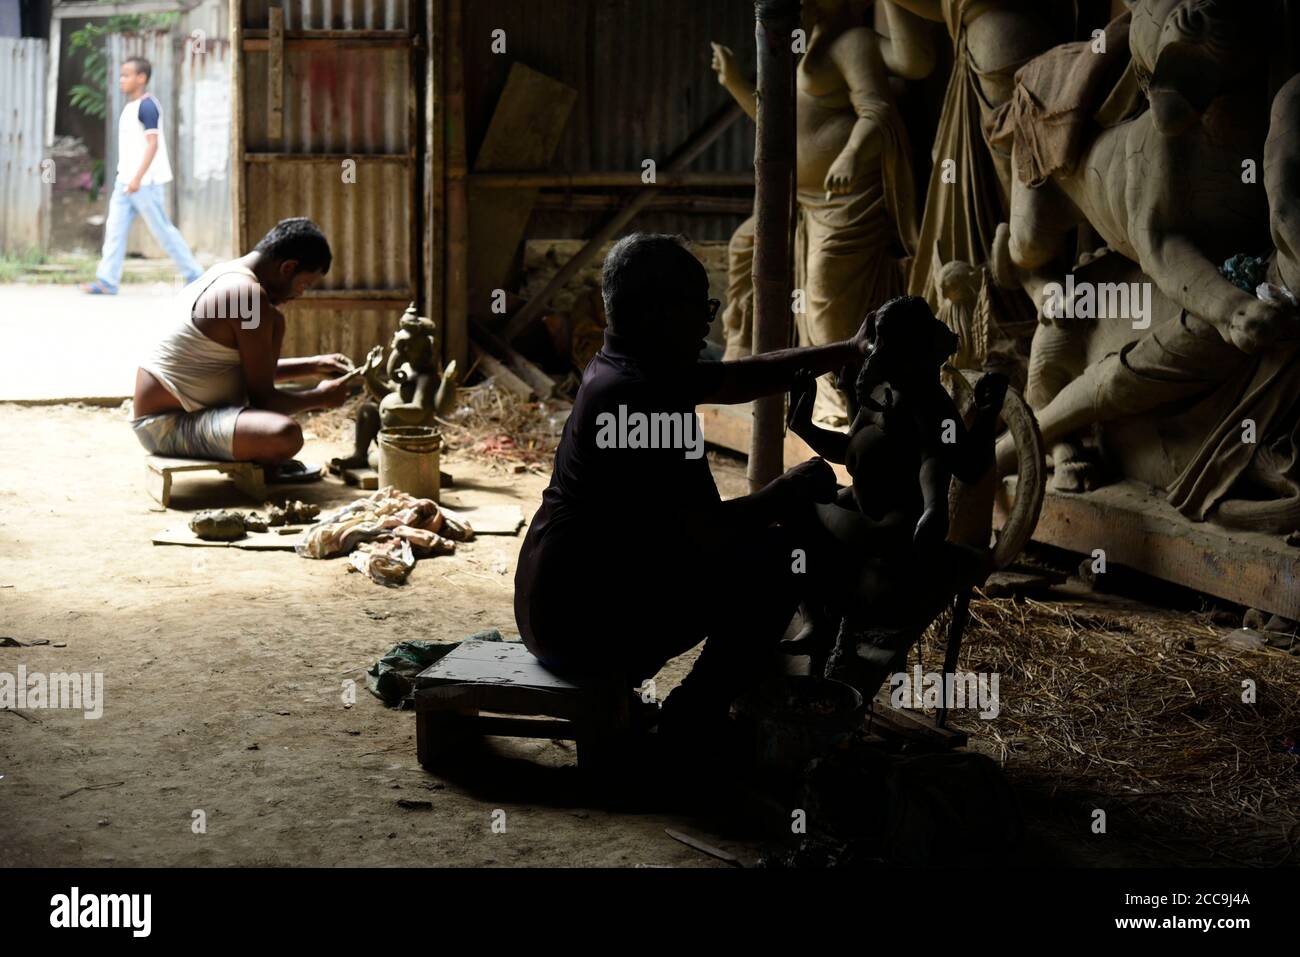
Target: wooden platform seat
[[247, 476], [499, 688]]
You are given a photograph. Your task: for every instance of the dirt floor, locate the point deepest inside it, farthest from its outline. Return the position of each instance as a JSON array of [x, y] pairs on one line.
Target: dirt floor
[[225, 674]]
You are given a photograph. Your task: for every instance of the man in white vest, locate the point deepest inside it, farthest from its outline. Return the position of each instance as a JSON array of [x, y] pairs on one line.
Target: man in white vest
[[142, 171]]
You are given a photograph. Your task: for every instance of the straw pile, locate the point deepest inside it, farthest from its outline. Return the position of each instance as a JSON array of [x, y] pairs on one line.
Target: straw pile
[[1143, 708], [488, 424]]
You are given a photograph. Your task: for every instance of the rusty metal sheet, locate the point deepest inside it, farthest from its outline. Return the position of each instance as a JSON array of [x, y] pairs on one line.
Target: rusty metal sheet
[[24, 202]]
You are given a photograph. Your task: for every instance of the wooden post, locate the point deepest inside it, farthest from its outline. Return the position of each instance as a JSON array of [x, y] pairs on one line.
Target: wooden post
[[774, 146], [435, 186], [238, 180], [455, 337]]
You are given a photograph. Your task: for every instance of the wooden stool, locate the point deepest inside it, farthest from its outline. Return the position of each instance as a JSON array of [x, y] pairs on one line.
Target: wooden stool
[[498, 687], [247, 476]]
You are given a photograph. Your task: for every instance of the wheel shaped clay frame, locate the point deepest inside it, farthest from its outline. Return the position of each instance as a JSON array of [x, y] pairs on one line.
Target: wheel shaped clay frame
[[1031, 465]]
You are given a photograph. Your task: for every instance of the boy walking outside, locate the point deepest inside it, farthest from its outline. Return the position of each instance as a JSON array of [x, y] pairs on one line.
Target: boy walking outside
[[142, 171]]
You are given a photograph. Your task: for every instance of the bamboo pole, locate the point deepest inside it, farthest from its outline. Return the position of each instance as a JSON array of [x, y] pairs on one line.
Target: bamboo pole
[[774, 150], [455, 341]]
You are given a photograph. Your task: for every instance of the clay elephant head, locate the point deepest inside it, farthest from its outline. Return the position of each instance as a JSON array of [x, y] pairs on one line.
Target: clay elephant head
[[908, 345], [1186, 53]]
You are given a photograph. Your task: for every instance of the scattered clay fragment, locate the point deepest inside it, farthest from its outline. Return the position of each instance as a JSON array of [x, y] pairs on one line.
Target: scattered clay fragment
[[214, 525]]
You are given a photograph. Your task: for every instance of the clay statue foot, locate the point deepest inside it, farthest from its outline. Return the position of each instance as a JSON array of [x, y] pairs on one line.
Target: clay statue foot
[[1072, 470]]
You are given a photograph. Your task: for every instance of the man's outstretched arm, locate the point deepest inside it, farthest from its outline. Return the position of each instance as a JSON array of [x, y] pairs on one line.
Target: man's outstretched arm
[[744, 380]]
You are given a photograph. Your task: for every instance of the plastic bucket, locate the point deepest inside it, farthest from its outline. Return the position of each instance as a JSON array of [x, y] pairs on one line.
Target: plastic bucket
[[408, 459]]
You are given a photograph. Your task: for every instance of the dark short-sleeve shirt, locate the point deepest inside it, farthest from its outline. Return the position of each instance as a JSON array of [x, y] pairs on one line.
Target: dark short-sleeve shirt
[[615, 493]]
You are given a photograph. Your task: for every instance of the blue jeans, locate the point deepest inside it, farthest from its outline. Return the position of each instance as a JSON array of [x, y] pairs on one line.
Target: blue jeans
[[123, 207]]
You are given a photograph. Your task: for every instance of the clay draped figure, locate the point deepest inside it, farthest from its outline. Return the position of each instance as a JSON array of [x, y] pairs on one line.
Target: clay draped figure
[[1173, 116], [412, 390], [884, 539], [857, 222], [967, 194]]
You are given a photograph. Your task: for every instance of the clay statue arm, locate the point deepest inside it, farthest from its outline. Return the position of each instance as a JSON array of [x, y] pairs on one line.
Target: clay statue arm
[[832, 446], [446, 397], [906, 42], [739, 86], [857, 54], [1186, 276]]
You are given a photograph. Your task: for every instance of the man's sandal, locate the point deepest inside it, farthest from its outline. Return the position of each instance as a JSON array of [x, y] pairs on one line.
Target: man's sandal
[[292, 472], [97, 288]]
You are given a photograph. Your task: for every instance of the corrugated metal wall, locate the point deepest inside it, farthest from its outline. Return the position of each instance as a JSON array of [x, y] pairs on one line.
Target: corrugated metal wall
[[23, 194], [202, 163], [346, 100], [330, 14], [644, 85]]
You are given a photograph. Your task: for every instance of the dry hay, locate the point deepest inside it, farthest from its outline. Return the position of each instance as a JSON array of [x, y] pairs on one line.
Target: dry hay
[[1144, 709], [488, 424], [504, 429]]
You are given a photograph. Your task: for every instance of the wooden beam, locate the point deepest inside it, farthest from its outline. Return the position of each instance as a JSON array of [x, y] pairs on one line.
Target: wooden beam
[[541, 383], [1136, 527], [275, 76], [610, 178], [497, 370]]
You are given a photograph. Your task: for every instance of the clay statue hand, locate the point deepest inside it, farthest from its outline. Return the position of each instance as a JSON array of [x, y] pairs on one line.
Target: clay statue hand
[[842, 174], [813, 480], [990, 392], [931, 529], [336, 364], [724, 64], [1260, 323]]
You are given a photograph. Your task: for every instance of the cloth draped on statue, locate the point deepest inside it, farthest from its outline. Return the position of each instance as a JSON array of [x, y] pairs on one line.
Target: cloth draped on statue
[[967, 193]]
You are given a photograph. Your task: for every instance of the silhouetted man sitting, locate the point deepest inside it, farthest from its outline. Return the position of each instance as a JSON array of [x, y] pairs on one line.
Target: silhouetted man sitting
[[633, 557]]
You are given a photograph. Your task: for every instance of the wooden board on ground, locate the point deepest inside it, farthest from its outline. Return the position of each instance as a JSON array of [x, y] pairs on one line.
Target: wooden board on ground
[[915, 725], [728, 426], [247, 476], [366, 479], [272, 540], [525, 130], [1135, 526]]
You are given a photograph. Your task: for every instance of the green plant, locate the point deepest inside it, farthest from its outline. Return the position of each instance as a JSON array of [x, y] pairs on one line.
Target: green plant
[[91, 97]]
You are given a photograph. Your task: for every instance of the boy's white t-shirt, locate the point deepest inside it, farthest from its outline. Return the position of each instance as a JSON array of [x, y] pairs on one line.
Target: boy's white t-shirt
[[132, 139]]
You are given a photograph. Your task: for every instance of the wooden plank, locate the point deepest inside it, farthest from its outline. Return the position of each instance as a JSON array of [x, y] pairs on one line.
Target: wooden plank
[[275, 79], [435, 190], [523, 181], [540, 382], [491, 366], [913, 725], [728, 426], [1135, 526], [330, 159], [525, 130]]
